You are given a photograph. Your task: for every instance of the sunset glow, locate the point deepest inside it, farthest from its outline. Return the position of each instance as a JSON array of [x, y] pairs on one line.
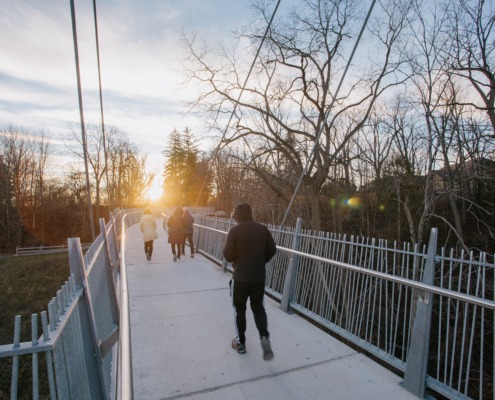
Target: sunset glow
[[155, 192]]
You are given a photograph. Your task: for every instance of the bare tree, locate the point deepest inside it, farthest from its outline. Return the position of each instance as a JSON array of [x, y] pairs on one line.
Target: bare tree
[[287, 101], [24, 155], [75, 188], [373, 147], [42, 150], [471, 54], [96, 159], [430, 83], [127, 174]]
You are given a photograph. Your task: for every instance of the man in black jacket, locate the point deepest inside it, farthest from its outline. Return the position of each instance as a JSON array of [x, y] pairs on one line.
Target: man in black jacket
[[249, 247]]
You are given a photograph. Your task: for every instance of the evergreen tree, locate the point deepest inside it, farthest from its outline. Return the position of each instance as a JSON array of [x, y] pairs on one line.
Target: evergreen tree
[[184, 171], [190, 167]]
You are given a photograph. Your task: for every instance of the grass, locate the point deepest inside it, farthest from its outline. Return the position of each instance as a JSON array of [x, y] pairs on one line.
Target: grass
[[27, 285]]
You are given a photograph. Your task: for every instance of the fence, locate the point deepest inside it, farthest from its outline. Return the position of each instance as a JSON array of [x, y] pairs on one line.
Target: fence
[[83, 324], [424, 312], [428, 314], [29, 251]]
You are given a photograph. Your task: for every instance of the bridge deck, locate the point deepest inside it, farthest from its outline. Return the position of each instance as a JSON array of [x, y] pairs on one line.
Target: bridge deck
[[182, 325]]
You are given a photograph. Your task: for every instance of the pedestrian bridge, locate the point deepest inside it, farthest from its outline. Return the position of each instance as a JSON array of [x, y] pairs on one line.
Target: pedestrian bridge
[[123, 327], [182, 324]]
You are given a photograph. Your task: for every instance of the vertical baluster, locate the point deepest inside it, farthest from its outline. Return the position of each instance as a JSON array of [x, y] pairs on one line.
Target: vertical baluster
[[440, 314], [370, 315], [473, 323], [35, 369], [393, 315], [60, 303], [447, 336], [456, 319], [72, 284], [48, 356], [15, 359], [52, 313]]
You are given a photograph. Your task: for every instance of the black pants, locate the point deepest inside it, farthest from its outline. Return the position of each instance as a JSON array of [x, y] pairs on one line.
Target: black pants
[[189, 237], [240, 293], [174, 246], [148, 247]]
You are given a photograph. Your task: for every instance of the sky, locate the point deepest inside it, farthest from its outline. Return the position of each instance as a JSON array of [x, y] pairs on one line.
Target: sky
[[140, 49]]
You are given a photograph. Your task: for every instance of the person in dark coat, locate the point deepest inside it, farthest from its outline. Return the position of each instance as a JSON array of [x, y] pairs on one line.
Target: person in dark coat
[[176, 235], [188, 222], [249, 246]]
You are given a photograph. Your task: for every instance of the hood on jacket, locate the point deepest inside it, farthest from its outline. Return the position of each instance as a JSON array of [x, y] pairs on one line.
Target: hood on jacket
[[147, 217], [243, 212], [178, 212]]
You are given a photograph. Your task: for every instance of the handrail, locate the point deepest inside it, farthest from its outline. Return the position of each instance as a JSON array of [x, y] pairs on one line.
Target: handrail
[[405, 307], [124, 380], [391, 278], [396, 279]]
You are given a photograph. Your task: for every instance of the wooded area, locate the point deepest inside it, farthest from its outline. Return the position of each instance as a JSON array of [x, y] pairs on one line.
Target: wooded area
[[38, 209], [404, 143]]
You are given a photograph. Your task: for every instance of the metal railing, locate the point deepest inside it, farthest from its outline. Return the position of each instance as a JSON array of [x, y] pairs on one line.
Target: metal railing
[[124, 382], [29, 251], [84, 323], [422, 312]]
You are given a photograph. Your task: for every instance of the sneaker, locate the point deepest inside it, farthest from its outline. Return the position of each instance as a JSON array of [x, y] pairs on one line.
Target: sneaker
[[267, 348], [238, 346], [175, 258]]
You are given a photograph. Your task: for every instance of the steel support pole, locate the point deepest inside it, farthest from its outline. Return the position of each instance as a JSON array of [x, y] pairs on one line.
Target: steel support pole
[[417, 356], [290, 277]]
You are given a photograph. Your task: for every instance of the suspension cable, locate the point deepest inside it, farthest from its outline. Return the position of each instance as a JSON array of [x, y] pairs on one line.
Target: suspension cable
[[217, 148], [327, 113], [81, 116], [101, 106]]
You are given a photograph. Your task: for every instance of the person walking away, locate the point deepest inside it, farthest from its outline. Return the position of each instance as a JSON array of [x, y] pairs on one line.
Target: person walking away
[[176, 231], [188, 222], [147, 226], [249, 246]]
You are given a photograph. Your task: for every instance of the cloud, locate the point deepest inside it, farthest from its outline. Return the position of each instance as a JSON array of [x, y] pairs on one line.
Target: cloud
[[139, 51]]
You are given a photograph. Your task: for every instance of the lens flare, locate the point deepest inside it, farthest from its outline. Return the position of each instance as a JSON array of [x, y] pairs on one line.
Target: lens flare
[[354, 202]]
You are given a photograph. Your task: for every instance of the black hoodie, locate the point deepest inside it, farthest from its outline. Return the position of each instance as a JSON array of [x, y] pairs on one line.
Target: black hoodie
[[249, 246]]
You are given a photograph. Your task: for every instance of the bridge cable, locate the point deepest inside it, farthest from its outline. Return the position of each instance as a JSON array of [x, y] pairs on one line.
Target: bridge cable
[[327, 113], [81, 117], [217, 148], [105, 150]]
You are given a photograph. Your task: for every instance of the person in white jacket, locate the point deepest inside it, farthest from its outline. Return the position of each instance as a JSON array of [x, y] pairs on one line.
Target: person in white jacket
[[147, 225]]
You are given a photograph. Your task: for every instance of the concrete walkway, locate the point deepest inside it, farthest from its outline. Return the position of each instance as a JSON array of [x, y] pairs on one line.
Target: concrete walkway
[[182, 325]]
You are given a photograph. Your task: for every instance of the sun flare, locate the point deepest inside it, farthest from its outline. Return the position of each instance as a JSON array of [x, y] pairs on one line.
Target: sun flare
[[155, 192]]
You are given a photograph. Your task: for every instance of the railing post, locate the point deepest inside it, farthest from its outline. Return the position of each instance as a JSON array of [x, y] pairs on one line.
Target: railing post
[[417, 356], [197, 238], [93, 363], [290, 277], [113, 296]]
